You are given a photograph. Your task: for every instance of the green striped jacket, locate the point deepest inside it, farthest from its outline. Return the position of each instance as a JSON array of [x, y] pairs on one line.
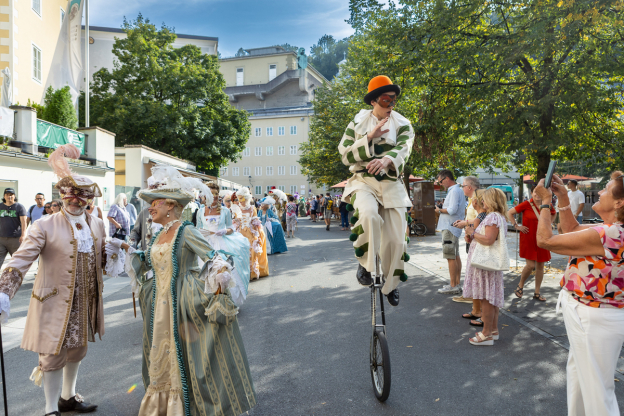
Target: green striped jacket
[[357, 151]]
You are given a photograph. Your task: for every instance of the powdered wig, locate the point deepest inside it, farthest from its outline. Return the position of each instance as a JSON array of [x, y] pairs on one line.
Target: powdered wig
[[177, 207], [267, 201], [244, 193], [226, 194], [495, 200], [57, 160]]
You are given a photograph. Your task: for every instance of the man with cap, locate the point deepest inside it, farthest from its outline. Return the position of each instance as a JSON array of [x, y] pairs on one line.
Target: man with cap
[[66, 308], [376, 146], [13, 223]]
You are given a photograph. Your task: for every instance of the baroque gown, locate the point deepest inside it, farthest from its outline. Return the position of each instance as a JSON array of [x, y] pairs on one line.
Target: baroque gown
[[251, 227]]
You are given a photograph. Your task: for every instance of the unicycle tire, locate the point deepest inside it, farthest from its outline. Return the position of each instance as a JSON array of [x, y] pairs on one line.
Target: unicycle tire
[[380, 366]]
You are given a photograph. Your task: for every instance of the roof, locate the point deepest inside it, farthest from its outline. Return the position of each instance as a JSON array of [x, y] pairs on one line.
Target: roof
[[116, 30]]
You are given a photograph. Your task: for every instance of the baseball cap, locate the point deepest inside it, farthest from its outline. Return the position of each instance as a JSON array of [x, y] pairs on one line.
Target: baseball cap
[[9, 191]]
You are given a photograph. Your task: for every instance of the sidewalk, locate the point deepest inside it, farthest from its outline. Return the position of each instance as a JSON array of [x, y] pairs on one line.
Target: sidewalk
[[426, 254]]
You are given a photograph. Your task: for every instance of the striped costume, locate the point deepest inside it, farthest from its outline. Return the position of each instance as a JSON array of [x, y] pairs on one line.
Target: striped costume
[[380, 201]]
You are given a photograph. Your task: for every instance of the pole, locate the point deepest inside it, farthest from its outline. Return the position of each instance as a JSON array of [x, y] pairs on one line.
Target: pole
[[6, 408], [87, 92]]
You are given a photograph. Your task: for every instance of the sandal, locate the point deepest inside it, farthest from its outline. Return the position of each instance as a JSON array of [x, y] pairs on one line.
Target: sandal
[[495, 336], [539, 297], [470, 316], [518, 292], [477, 322], [481, 339]]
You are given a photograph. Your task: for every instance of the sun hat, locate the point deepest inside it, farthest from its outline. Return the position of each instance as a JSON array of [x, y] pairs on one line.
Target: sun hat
[[168, 183], [378, 86]]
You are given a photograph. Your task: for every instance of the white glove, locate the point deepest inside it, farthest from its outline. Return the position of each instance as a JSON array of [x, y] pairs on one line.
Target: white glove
[[5, 307], [116, 242], [221, 232], [111, 249]]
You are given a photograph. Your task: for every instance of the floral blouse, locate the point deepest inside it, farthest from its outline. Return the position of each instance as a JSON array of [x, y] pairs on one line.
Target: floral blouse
[[598, 281]]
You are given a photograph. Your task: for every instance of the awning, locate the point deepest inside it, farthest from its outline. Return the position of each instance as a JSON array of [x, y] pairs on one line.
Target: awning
[[185, 172], [340, 185]]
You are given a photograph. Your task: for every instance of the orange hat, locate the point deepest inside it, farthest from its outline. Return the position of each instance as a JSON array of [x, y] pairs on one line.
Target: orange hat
[[378, 86]]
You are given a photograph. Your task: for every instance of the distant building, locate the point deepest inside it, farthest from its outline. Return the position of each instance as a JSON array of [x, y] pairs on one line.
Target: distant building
[[277, 87]]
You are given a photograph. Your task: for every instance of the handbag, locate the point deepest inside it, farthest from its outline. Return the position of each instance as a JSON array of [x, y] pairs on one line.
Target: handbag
[[493, 257]]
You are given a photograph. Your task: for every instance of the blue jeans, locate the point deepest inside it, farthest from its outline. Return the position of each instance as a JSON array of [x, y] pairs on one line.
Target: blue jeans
[[344, 219]]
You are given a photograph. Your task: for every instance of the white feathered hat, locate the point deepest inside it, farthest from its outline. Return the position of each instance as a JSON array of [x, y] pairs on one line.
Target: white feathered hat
[[279, 194], [226, 194], [168, 183], [267, 200]]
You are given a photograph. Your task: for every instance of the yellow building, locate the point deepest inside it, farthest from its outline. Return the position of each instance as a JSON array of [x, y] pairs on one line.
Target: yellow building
[[29, 30]]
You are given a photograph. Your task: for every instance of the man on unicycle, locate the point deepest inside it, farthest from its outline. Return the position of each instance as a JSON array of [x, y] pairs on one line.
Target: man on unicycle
[[375, 146]]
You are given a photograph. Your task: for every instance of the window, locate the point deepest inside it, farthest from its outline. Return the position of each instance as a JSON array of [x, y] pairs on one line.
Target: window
[[269, 171], [269, 131], [62, 15], [258, 189], [281, 188], [280, 131], [258, 151], [36, 6], [293, 130], [293, 149], [269, 151], [269, 187], [36, 63], [258, 170], [293, 169], [293, 189], [240, 74], [234, 171], [246, 152], [281, 170], [258, 131], [223, 171], [246, 171], [272, 71], [281, 150]]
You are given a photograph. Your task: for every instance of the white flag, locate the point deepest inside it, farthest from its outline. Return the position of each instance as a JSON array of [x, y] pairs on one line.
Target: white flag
[[67, 66]]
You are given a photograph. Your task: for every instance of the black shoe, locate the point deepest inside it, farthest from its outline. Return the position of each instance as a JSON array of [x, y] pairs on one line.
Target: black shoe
[[363, 276], [393, 297], [75, 404], [327, 228], [53, 414]]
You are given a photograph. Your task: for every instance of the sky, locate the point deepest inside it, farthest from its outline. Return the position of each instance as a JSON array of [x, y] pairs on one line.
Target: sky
[[237, 23]]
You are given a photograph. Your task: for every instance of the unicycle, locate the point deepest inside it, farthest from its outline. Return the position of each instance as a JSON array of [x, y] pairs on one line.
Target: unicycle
[[379, 352]]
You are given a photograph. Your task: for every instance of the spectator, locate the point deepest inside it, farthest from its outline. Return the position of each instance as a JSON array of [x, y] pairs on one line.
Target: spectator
[[344, 216], [12, 224], [535, 257], [118, 218], [486, 285], [320, 211], [48, 209], [95, 211], [313, 207], [592, 295], [56, 205], [329, 203], [36, 211], [452, 210], [291, 217], [577, 200], [469, 185], [132, 213]]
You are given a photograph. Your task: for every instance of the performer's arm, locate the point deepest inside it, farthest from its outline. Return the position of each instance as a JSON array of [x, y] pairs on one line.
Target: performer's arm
[[352, 150], [401, 152], [13, 275]]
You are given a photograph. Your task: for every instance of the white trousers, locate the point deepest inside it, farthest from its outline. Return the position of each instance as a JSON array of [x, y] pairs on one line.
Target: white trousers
[[596, 336], [380, 231]]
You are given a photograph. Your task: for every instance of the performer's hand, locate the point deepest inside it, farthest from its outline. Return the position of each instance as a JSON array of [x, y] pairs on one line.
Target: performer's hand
[[221, 232], [377, 131], [111, 249], [375, 166], [116, 242]]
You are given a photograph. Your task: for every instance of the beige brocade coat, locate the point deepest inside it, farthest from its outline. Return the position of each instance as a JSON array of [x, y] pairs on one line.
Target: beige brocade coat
[[51, 238]]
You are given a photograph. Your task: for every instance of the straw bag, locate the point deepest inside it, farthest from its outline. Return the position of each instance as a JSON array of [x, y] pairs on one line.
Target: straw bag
[[494, 257]]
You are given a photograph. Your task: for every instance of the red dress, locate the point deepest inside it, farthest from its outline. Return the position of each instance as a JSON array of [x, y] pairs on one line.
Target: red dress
[[528, 242]]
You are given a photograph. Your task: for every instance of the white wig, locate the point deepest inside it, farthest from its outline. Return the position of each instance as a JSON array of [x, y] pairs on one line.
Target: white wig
[[244, 192], [267, 201], [226, 194]]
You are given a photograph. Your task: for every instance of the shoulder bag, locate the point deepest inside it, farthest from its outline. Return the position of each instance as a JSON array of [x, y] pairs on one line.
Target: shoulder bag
[[493, 257]]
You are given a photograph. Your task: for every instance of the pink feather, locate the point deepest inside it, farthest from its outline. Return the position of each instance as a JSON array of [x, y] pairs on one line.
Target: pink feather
[[57, 160]]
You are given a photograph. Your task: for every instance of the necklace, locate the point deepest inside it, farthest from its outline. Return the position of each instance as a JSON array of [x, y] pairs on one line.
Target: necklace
[[169, 225]]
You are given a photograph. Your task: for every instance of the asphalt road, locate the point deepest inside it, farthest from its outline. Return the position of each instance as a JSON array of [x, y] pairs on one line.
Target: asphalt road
[[306, 329]]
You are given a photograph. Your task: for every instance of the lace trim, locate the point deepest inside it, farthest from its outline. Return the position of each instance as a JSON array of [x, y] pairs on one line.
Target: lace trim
[[255, 268], [160, 361], [217, 306], [152, 390], [257, 246], [10, 281]]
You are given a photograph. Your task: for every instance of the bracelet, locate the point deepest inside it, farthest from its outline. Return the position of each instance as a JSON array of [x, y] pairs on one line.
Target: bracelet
[[565, 208]]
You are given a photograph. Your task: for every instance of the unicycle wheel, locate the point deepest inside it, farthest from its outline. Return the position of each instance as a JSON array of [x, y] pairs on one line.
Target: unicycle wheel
[[380, 365]]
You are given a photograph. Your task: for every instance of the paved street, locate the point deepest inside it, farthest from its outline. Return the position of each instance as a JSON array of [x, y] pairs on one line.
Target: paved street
[[306, 330]]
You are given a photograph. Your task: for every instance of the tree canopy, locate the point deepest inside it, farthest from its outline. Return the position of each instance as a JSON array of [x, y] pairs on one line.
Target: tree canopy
[[327, 53], [170, 99]]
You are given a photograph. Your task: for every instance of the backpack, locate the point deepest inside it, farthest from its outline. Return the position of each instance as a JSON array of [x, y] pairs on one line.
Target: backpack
[[329, 204]]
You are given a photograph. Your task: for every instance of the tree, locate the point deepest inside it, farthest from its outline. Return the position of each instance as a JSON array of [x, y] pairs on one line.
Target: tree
[[289, 47], [327, 53], [58, 108], [167, 98], [241, 52], [531, 80]]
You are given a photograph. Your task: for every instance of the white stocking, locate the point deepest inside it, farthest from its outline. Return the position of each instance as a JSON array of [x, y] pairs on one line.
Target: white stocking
[[52, 383], [70, 373]]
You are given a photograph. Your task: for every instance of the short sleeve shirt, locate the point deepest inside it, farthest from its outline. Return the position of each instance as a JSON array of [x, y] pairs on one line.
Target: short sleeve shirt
[[10, 225], [455, 204], [35, 213], [576, 198], [598, 281]]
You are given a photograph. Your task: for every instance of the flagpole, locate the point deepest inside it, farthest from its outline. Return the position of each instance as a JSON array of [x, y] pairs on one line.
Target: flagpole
[[87, 92]]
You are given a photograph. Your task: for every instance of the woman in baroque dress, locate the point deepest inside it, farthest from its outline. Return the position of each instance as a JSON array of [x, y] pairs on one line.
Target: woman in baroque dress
[[275, 241], [194, 361], [247, 223], [215, 223]]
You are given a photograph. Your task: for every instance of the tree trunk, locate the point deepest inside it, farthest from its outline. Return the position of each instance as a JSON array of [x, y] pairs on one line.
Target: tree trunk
[[543, 160]]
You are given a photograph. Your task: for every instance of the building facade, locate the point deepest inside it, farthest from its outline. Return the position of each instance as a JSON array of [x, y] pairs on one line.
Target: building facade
[[29, 30], [277, 88]]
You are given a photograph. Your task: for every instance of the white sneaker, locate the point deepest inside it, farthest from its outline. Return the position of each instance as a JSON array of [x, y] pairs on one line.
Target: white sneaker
[[443, 288], [450, 290]]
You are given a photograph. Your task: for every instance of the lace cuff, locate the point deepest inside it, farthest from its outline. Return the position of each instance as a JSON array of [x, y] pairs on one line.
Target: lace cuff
[[115, 264], [5, 308], [257, 246], [217, 273], [10, 281]]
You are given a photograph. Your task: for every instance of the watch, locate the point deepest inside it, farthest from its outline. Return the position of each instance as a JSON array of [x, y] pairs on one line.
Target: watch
[[544, 206]]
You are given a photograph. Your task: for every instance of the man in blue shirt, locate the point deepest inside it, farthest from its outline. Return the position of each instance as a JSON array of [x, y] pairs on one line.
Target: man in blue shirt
[[452, 210], [36, 211]]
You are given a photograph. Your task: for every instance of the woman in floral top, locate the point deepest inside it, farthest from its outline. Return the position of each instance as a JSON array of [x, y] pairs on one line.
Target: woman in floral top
[[592, 295]]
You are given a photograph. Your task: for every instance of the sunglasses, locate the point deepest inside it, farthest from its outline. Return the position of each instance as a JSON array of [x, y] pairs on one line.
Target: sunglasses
[[386, 101], [54, 205]]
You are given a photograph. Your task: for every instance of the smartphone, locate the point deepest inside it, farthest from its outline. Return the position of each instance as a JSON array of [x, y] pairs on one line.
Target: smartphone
[[550, 173]]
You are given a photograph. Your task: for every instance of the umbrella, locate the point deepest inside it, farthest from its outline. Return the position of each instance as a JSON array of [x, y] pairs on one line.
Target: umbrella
[[7, 90]]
